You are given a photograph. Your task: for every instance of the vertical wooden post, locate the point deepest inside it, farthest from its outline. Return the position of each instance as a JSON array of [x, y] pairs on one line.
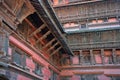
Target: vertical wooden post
[[92, 57], [81, 57], [114, 55], [102, 55]]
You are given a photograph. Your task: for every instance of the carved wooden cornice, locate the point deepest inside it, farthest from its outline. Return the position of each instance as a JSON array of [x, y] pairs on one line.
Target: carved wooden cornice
[[25, 10], [15, 11], [84, 67]]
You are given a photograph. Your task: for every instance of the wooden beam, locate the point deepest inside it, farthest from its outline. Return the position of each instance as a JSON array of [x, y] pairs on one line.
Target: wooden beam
[[52, 46], [37, 30], [49, 43], [30, 24], [44, 36], [56, 51]]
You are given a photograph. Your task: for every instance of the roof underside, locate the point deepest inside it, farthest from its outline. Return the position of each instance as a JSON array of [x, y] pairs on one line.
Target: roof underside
[[46, 12]]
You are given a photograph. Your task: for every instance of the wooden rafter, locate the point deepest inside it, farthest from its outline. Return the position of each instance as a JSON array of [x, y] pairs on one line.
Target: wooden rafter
[[56, 50], [44, 36], [37, 30], [53, 46], [48, 43], [31, 25]]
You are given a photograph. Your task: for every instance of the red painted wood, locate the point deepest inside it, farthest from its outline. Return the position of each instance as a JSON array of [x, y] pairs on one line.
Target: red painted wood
[[35, 56], [21, 77]]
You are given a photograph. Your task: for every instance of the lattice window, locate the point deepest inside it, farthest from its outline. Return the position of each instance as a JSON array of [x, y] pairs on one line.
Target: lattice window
[[96, 37], [19, 58], [4, 43], [89, 77], [107, 36], [38, 69], [53, 75]]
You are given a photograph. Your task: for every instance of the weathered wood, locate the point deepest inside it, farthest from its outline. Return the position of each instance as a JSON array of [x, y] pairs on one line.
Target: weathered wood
[[81, 57], [96, 39], [22, 14], [102, 55], [56, 50], [44, 36], [52, 46], [37, 30], [114, 55], [92, 10], [92, 57], [49, 43]]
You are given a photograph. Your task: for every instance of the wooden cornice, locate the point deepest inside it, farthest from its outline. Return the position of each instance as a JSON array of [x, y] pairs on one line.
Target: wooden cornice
[[83, 67], [88, 72], [74, 3]]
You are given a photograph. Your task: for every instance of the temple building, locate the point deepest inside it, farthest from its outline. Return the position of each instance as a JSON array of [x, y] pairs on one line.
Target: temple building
[[59, 39]]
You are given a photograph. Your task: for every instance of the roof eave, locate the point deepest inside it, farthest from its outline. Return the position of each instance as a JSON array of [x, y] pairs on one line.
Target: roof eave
[[52, 20]]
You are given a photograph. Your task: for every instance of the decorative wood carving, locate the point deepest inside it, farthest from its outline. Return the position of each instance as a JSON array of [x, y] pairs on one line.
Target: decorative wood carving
[[101, 39], [92, 10], [26, 9]]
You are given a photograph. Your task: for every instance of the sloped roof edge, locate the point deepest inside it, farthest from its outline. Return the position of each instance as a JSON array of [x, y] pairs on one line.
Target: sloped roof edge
[[46, 12]]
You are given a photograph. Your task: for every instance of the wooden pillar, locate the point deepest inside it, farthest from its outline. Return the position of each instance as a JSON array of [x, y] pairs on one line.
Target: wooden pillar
[[102, 55], [114, 56], [87, 21], [92, 57], [81, 57]]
